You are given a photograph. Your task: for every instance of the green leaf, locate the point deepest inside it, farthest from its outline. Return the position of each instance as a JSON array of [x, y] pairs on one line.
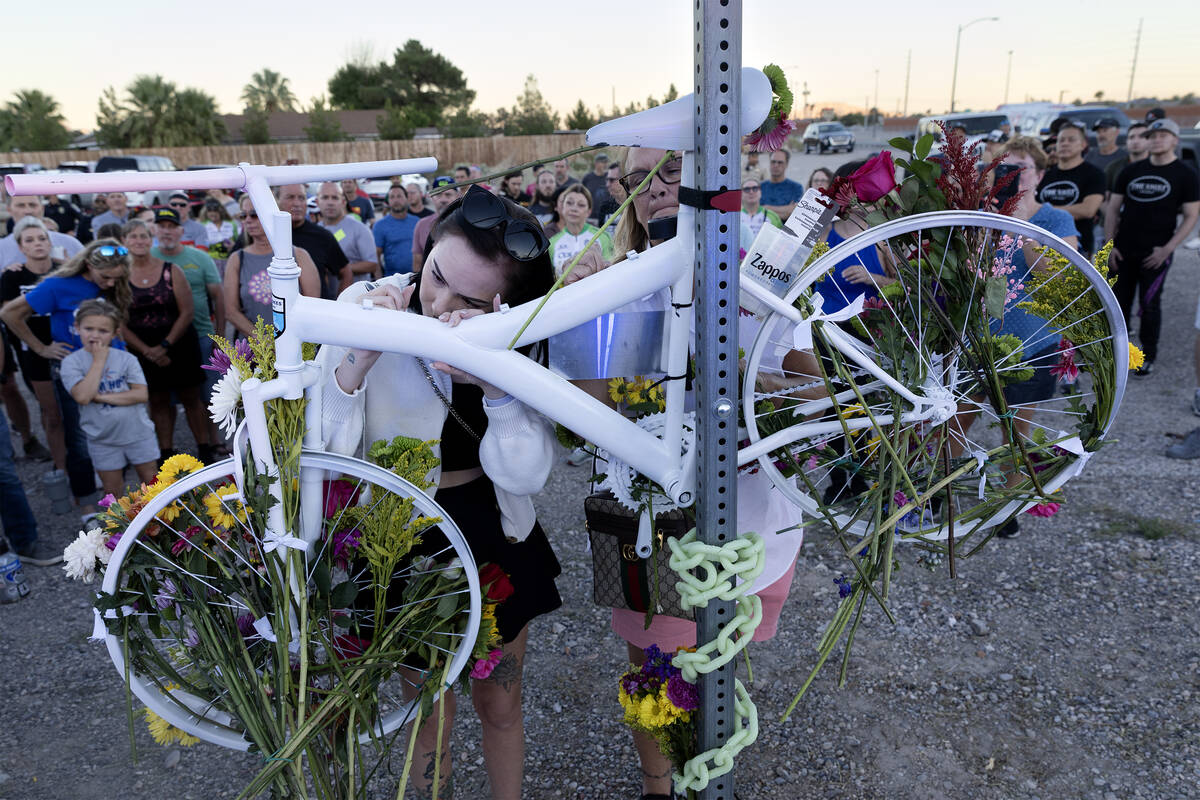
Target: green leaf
[[321, 577], [923, 146], [903, 143], [924, 171], [909, 190], [876, 217], [995, 291], [447, 607], [343, 594]]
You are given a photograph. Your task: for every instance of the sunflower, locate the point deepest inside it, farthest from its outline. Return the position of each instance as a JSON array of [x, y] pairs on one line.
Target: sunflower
[[165, 733], [177, 466], [1136, 357], [222, 511]]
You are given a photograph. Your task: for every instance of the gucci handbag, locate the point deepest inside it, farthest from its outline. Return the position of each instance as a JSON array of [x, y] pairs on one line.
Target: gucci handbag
[[620, 579]]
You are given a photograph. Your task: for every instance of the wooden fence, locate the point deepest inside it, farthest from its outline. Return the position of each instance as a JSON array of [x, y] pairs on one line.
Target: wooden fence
[[493, 152]]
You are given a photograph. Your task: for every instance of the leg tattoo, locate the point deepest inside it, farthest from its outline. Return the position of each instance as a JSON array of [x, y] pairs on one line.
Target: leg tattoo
[[507, 672]]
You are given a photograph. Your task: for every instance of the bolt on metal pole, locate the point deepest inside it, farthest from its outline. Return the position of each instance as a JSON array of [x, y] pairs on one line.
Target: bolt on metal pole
[[718, 60]]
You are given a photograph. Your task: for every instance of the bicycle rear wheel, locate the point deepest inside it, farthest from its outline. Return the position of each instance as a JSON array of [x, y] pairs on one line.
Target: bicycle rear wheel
[[844, 444], [196, 623]]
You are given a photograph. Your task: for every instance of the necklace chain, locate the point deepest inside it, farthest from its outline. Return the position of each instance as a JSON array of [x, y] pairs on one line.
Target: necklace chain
[[438, 391]]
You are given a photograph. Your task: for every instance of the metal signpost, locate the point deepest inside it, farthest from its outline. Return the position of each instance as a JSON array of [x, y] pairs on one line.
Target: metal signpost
[[718, 59]]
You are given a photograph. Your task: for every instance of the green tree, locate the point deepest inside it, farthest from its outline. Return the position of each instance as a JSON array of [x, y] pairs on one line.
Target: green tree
[[269, 91], [579, 119], [466, 124], [672, 94], [31, 121], [256, 126], [532, 114], [395, 123], [425, 84], [154, 113], [323, 123]]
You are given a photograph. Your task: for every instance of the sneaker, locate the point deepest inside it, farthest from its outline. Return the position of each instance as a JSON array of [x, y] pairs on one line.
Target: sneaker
[[1196, 403], [1145, 369], [1192, 243], [579, 456], [38, 555], [1188, 447], [36, 451], [1010, 529]]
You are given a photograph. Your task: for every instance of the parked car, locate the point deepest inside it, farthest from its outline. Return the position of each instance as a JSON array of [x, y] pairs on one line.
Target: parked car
[[828, 136], [976, 125], [135, 163], [77, 166]]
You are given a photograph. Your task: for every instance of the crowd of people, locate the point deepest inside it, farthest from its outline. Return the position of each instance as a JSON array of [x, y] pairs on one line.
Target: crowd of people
[[108, 316]]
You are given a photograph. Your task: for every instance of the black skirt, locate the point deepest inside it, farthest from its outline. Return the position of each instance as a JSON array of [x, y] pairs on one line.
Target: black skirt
[[531, 564]]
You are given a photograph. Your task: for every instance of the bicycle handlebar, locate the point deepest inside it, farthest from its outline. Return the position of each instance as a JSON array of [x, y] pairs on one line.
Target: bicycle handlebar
[[224, 178]]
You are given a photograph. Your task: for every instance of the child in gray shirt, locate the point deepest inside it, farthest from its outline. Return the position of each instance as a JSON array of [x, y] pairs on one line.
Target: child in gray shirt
[[111, 391]]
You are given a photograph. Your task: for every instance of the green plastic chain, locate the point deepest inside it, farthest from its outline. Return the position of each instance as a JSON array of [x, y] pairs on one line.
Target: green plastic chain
[[720, 566]]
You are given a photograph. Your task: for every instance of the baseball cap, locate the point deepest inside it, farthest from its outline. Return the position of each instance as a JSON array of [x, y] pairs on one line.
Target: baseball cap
[[996, 136], [443, 180], [1165, 124], [1106, 122], [1155, 113], [178, 193], [600, 157], [167, 215]]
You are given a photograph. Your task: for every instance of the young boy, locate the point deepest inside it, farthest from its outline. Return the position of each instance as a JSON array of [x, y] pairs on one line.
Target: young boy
[[110, 387]]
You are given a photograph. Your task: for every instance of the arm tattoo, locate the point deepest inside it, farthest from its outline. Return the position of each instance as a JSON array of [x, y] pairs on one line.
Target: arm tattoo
[[507, 672], [350, 358]]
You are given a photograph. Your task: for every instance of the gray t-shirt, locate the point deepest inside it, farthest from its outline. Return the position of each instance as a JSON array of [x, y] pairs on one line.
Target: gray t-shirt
[[105, 424], [356, 241], [1102, 161], [100, 220]]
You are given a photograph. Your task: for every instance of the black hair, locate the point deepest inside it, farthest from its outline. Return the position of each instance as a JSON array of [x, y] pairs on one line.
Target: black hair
[[524, 280], [848, 169], [512, 175]]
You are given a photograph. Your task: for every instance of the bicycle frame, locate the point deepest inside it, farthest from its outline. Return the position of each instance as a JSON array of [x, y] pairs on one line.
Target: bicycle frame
[[477, 346]]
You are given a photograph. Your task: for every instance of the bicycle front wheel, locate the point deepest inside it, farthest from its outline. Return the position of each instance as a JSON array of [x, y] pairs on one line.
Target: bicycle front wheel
[[939, 405], [385, 599]]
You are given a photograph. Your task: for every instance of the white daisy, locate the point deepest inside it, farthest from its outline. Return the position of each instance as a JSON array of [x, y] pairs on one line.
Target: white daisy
[[226, 397], [84, 554]]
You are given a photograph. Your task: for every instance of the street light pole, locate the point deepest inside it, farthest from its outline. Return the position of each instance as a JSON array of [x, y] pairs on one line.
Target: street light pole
[[1007, 77], [957, 42]]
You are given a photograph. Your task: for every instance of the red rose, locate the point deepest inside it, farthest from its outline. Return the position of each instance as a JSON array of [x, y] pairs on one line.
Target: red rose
[[497, 586], [875, 178]]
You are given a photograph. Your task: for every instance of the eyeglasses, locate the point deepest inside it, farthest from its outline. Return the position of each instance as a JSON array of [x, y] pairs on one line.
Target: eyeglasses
[[178, 205], [248, 215], [523, 240], [670, 172], [754, 188], [110, 250]]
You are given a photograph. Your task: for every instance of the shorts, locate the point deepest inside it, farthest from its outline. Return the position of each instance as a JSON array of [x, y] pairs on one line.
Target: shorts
[[33, 366], [109, 457], [1040, 387], [671, 633]]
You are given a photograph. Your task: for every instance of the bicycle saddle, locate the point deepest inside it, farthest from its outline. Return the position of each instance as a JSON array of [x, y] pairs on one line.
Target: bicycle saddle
[[671, 126]]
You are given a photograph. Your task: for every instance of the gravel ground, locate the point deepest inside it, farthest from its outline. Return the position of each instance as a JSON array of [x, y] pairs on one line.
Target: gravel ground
[[1061, 664]]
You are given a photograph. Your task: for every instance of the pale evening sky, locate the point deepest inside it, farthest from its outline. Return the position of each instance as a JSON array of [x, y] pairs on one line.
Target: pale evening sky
[[74, 49]]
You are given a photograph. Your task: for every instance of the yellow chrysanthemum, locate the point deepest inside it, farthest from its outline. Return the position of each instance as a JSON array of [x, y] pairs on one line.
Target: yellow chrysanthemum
[[177, 466], [488, 626], [616, 389], [170, 513], [165, 733], [223, 511], [152, 491], [1136, 357]]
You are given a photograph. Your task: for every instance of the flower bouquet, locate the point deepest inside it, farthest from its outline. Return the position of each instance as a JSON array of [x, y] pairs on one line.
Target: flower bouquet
[[956, 312], [659, 702], [312, 652]]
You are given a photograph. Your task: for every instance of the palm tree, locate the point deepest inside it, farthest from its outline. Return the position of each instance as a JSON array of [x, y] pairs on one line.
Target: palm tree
[[154, 113], [196, 118], [149, 109], [269, 91], [31, 121]]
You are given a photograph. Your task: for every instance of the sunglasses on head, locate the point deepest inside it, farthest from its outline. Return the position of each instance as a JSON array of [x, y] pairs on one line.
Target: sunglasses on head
[[523, 240], [110, 250]]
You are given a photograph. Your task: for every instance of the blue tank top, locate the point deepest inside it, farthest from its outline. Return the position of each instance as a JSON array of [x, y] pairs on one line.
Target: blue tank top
[[839, 292]]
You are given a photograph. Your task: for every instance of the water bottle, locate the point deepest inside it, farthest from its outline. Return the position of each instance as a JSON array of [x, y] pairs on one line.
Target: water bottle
[[15, 587], [58, 491]]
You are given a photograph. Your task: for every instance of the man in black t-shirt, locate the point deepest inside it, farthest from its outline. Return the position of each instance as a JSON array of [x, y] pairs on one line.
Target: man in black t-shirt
[[1074, 185], [1141, 219], [324, 250]]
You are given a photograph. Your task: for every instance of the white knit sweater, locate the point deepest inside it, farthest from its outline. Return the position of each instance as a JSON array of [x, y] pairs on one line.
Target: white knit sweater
[[517, 451]]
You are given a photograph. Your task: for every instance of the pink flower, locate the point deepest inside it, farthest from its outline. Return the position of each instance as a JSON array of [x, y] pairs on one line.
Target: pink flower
[[875, 178], [483, 667], [1065, 368], [1044, 510], [773, 139], [339, 494], [107, 500]]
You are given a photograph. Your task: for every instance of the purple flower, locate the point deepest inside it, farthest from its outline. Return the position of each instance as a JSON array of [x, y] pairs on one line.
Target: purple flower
[[192, 639], [107, 500], [845, 588], [245, 624], [219, 362], [683, 694], [343, 542], [113, 541]]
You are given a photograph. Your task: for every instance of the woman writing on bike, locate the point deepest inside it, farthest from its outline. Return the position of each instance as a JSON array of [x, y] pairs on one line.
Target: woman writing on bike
[[495, 453]]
